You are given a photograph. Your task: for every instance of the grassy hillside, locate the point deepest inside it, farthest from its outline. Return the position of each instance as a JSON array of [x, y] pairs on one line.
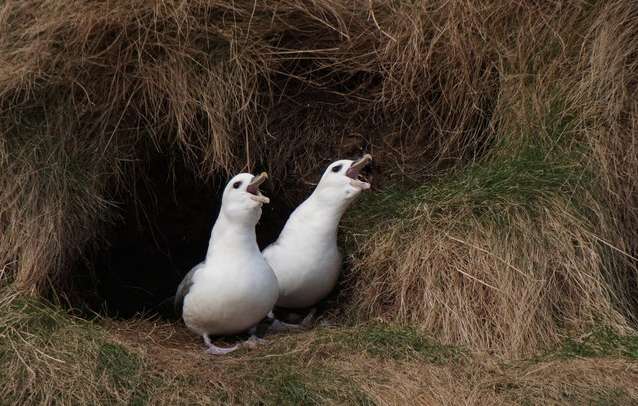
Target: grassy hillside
[[495, 261]]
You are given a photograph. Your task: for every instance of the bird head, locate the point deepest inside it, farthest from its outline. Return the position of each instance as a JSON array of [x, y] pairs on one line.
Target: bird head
[[343, 180], [242, 199]]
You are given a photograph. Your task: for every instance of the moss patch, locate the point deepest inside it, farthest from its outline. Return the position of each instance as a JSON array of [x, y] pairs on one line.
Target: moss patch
[[297, 384], [393, 342], [118, 364], [601, 342]]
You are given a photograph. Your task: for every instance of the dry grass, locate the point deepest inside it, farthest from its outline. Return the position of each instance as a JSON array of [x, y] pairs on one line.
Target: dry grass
[[515, 286], [93, 90], [48, 357], [522, 116], [609, 119], [536, 239], [505, 256]]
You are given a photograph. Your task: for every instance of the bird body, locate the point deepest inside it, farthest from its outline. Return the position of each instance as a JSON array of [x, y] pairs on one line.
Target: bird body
[[234, 288], [305, 256]]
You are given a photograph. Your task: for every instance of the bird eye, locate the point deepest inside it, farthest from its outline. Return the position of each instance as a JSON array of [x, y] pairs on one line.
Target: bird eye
[[236, 185], [336, 168]]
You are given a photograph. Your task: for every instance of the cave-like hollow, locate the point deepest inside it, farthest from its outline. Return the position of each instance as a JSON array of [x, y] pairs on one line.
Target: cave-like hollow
[[162, 231]]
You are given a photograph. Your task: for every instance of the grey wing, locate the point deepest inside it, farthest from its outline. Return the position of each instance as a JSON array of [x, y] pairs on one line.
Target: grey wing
[[185, 287]]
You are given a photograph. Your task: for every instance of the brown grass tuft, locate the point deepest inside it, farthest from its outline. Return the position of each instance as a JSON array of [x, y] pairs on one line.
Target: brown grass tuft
[[514, 287], [536, 239]]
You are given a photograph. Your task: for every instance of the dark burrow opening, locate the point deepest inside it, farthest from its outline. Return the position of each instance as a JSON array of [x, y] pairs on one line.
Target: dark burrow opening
[[162, 232]]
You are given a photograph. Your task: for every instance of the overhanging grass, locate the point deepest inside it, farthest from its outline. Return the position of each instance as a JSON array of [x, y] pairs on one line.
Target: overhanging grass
[[525, 180], [88, 97]]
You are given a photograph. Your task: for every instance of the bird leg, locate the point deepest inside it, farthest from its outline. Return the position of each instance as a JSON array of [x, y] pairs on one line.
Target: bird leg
[[310, 317], [278, 325], [215, 350], [253, 341]]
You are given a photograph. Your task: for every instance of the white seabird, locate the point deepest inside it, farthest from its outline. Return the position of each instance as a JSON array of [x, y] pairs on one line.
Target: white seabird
[[305, 257], [234, 288]]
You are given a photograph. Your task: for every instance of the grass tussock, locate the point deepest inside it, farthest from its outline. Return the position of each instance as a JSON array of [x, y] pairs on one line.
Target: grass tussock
[[497, 257], [49, 357], [536, 238]]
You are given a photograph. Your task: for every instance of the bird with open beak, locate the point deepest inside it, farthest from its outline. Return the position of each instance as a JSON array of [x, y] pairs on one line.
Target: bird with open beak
[[234, 288], [305, 257]]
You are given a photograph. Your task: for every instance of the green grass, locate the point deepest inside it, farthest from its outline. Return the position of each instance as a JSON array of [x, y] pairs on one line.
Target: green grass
[[487, 188], [70, 358], [290, 382], [598, 342], [287, 372], [522, 171], [96, 368], [391, 341], [120, 365], [301, 369], [601, 342]]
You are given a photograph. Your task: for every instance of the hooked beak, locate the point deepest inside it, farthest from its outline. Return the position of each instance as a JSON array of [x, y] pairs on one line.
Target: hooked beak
[[253, 188], [361, 163], [354, 172]]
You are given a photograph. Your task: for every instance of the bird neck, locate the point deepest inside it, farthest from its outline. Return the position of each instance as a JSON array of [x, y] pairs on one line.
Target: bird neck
[[327, 208], [316, 219], [231, 237]]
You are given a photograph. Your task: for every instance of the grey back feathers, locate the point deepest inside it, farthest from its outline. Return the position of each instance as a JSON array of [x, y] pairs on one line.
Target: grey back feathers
[[185, 287]]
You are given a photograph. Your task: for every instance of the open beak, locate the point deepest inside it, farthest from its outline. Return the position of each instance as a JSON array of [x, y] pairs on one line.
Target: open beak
[[361, 163], [253, 188], [354, 172]]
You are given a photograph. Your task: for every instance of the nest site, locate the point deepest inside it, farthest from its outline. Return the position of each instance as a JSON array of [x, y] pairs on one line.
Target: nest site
[[504, 212]]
